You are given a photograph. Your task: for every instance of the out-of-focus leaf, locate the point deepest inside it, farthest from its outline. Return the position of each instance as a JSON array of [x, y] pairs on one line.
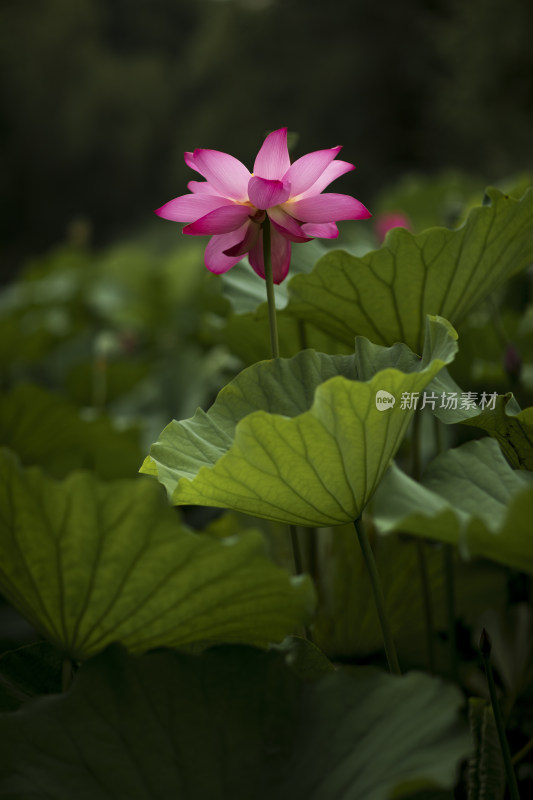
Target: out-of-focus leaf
[[247, 336], [434, 200], [305, 658], [45, 430], [232, 722], [88, 563], [469, 497], [31, 670]]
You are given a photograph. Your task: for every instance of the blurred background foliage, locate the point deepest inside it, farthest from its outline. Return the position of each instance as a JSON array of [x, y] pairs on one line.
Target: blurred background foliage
[[100, 98], [114, 327]]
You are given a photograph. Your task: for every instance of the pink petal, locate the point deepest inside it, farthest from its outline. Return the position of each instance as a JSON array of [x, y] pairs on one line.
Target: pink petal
[[265, 193], [272, 160], [280, 249], [215, 256], [241, 248], [287, 225], [201, 187], [304, 172], [189, 160], [221, 220], [226, 174], [327, 208], [331, 173], [190, 207], [321, 230]]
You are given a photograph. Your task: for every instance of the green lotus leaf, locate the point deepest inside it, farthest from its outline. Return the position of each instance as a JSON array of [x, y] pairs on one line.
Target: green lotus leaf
[[45, 430], [233, 722], [469, 497], [299, 440], [511, 427], [498, 415], [386, 294], [89, 563]]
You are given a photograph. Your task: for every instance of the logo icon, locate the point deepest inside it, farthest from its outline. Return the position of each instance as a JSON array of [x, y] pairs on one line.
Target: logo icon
[[384, 400]]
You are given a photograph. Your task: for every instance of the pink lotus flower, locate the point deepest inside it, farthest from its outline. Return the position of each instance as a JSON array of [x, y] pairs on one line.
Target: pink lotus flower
[[231, 204]]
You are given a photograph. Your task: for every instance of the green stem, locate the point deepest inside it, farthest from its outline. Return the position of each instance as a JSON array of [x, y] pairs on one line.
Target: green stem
[[449, 578], [449, 585], [274, 346], [310, 547], [485, 646], [312, 552], [271, 299], [416, 464], [379, 599], [421, 552], [296, 552], [439, 444], [298, 567], [302, 333], [428, 607]]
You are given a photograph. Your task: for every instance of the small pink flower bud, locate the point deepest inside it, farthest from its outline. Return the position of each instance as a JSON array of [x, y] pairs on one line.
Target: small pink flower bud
[[391, 219]]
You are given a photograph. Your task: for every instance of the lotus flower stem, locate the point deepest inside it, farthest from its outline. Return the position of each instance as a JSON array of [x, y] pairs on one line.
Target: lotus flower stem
[[448, 556], [271, 298], [421, 553], [428, 606], [485, 646], [379, 599], [296, 552], [302, 333]]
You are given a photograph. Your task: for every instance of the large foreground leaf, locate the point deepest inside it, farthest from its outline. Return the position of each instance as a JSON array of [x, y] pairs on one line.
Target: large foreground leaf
[[387, 293], [89, 563], [232, 723], [469, 497], [299, 440]]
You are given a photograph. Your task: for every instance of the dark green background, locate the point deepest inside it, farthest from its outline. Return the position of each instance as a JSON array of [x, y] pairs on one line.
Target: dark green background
[[99, 98]]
